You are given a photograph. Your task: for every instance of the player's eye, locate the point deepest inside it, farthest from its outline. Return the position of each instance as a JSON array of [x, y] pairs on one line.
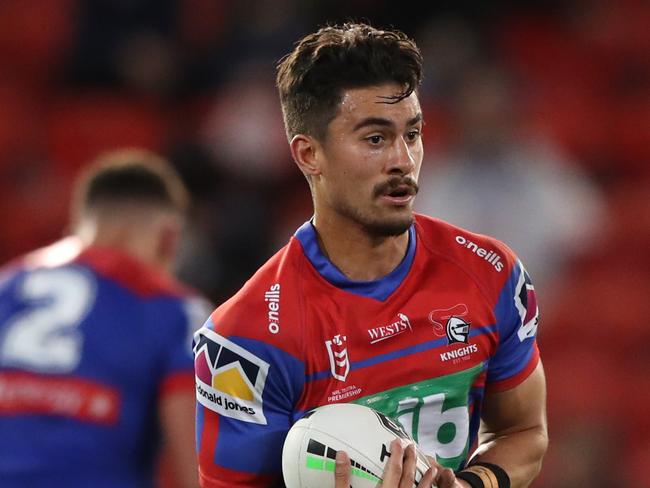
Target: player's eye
[[375, 140], [413, 135]]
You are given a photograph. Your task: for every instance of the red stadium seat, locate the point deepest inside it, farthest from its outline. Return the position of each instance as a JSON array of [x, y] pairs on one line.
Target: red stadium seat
[[35, 35], [18, 123], [81, 127]]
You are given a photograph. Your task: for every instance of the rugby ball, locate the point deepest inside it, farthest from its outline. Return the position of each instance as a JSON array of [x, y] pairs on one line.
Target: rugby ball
[[363, 433]]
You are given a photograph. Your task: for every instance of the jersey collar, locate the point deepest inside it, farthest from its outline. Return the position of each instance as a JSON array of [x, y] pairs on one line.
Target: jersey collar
[[379, 289]]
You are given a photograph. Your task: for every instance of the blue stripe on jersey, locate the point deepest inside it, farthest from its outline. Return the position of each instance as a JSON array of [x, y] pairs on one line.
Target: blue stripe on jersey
[[505, 311], [379, 289], [512, 354], [424, 346], [476, 400], [283, 388]]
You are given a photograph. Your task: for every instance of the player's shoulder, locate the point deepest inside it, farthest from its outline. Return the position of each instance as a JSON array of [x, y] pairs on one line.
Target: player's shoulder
[[486, 259], [55, 255], [266, 308], [134, 276], [105, 263]]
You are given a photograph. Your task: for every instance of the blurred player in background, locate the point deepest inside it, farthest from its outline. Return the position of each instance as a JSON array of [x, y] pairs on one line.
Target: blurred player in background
[[95, 339], [428, 323]]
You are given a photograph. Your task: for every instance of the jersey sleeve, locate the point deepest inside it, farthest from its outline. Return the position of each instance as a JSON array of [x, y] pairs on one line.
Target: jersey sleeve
[[182, 318], [517, 317], [246, 390]]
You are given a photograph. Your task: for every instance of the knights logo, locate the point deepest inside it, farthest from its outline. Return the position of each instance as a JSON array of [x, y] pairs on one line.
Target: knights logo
[[338, 355], [457, 330], [441, 316]]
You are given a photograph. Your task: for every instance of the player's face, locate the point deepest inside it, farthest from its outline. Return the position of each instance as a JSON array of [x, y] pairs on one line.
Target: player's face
[[371, 160]]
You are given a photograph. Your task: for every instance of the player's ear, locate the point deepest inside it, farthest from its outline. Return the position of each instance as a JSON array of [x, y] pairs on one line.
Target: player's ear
[[169, 235], [305, 151]]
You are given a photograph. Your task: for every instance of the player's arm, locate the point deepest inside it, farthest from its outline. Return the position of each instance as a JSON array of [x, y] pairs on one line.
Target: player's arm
[[246, 390], [513, 431], [513, 434], [177, 398], [177, 423]]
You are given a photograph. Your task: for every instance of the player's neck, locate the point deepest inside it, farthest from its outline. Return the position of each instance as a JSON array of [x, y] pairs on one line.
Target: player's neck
[[140, 245], [358, 255]]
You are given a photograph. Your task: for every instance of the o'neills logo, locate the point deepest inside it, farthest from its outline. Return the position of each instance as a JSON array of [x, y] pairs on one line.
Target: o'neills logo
[[272, 297], [396, 327], [490, 256]]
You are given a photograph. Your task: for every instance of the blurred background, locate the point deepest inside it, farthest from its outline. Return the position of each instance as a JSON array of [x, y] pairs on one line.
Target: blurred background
[[537, 132]]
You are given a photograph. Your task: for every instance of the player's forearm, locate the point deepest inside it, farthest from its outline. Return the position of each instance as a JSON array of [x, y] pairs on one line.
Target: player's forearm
[[177, 420], [513, 433], [519, 453]]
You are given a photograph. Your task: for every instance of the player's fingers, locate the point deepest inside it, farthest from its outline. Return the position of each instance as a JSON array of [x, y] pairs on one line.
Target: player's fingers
[[408, 467], [393, 470], [427, 479], [342, 470], [445, 478]]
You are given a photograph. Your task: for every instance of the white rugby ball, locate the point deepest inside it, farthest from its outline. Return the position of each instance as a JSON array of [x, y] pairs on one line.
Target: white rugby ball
[[363, 433]]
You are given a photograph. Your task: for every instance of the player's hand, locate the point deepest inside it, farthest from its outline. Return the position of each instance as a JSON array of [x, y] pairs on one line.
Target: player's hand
[[445, 477], [399, 472]]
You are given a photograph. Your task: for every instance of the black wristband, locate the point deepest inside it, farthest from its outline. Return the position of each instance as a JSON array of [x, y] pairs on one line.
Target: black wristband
[[499, 472], [484, 475], [471, 478]]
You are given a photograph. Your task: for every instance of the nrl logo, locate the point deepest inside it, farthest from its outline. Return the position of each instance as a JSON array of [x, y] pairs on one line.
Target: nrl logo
[[338, 354]]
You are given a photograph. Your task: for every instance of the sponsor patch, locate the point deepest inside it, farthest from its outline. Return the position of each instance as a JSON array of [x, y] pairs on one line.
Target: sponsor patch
[[229, 379], [400, 324], [59, 396]]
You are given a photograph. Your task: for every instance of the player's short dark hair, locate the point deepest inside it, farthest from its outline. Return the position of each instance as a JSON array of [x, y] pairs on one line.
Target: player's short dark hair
[[312, 78], [129, 176]]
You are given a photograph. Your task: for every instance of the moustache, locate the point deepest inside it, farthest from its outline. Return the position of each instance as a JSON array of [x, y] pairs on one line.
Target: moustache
[[396, 183]]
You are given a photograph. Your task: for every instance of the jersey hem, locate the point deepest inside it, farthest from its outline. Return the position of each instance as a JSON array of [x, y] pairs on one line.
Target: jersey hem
[[510, 383], [234, 479], [177, 382]]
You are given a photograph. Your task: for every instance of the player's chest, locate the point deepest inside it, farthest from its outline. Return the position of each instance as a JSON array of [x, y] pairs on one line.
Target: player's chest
[[423, 335]]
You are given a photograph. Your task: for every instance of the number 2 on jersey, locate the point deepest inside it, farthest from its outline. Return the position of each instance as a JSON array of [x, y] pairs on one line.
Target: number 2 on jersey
[[44, 337]]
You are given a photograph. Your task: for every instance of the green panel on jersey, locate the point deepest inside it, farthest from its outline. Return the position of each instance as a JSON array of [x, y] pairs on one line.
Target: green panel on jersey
[[435, 412]]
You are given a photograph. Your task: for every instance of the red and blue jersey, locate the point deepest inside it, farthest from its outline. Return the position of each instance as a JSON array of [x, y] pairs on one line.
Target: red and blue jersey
[[90, 340], [455, 319]]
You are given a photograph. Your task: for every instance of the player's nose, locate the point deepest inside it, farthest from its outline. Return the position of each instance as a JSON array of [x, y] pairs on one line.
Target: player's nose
[[402, 160]]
